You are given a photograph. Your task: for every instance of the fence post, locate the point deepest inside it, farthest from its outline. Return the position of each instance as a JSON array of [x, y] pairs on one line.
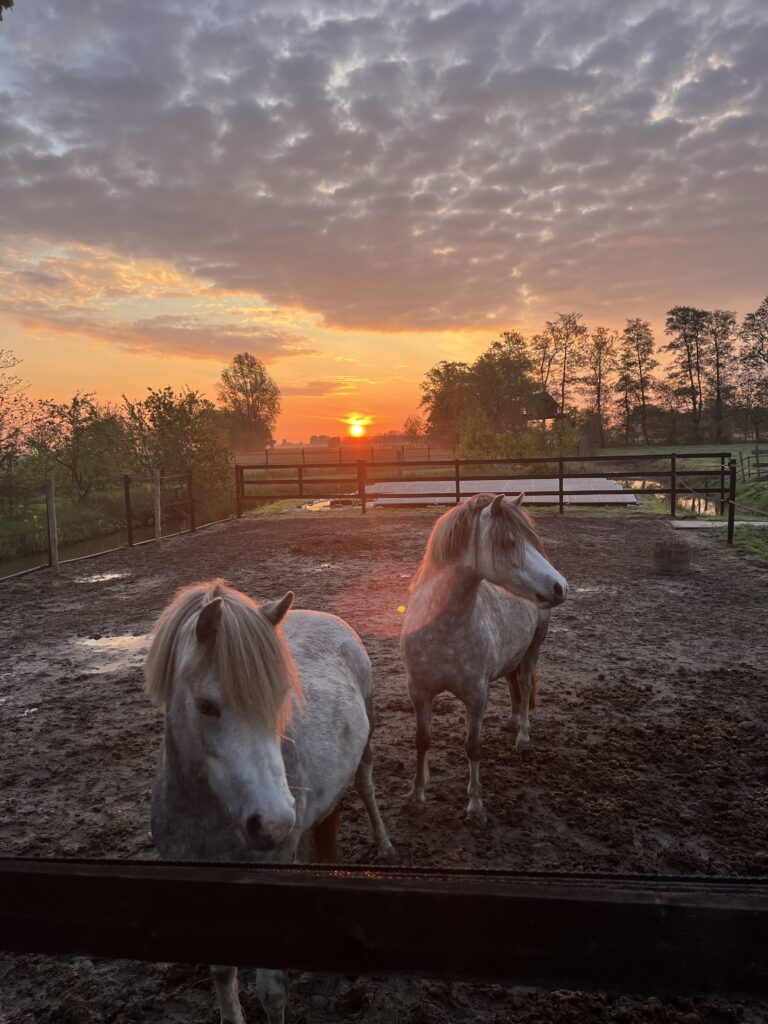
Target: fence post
[[362, 470], [722, 484], [673, 484], [300, 480], [158, 503], [191, 497], [239, 487], [457, 478], [560, 483], [53, 535], [741, 461], [731, 498], [128, 508]]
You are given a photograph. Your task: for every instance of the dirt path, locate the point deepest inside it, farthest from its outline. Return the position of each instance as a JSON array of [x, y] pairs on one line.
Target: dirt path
[[649, 754]]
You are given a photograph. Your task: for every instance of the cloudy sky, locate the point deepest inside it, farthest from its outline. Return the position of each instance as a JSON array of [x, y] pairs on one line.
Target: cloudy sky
[[355, 190]]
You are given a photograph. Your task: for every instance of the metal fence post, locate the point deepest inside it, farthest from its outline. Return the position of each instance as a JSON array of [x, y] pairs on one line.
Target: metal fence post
[[362, 470], [560, 483], [731, 498], [53, 535], [128, 508], [722, 483], [157, 502], [239, 488], [191, 497], [673, 484]]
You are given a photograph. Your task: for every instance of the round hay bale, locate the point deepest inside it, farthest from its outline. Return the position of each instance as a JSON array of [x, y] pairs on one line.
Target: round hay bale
[[672, 557]]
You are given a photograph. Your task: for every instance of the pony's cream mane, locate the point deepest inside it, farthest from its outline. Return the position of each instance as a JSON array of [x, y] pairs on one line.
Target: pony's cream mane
[[453, 531], [249, 657]]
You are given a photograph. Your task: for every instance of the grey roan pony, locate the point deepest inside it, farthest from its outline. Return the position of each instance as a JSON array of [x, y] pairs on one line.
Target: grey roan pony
[[478, 611], [265, 725]]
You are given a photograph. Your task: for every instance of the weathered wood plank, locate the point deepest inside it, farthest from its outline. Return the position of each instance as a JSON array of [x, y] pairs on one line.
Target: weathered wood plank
[[613, 933]]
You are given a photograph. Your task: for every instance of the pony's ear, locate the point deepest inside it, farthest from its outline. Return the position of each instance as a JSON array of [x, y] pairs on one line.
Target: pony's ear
[[496, 505], [276, 611], [518, 499], [209, 620]]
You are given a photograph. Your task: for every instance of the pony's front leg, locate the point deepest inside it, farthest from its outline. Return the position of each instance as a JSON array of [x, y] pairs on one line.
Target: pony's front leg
[[225, 982], [422, 705], [475, 713], [273, 994]]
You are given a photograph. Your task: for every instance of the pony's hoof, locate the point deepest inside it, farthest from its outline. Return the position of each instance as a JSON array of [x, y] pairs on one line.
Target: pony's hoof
[[388, 853], [523, 744], [415, 805], [477, 817]]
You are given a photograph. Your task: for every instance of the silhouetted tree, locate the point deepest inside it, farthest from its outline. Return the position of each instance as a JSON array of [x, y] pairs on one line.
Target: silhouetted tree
[[754, 336], [720, 363], [638, 363], [687, 329], [601, 366], [446, 395], [247, 392]]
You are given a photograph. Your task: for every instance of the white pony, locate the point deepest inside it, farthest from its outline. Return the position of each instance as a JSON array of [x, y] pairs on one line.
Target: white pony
[[265, 725], [478, 611]]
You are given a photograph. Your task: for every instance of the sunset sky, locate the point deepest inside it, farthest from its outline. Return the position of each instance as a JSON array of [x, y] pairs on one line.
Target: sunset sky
[[353, 191]]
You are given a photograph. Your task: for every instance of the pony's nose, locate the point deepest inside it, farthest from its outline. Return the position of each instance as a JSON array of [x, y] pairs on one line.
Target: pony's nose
[[259, 837], [559, 592]]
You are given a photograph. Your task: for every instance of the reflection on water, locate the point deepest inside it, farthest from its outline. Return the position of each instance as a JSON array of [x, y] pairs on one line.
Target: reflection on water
[[102, 577], [688, 502], [117, 651]]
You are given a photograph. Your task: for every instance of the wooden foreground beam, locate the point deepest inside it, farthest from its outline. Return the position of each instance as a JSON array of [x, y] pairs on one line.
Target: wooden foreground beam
[[616, 933]]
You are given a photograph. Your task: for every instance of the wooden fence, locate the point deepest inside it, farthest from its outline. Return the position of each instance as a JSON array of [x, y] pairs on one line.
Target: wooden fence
[[634, 934], [257, 483]]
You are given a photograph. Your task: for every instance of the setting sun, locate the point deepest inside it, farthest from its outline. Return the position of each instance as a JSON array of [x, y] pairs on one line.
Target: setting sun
[[356, 424]]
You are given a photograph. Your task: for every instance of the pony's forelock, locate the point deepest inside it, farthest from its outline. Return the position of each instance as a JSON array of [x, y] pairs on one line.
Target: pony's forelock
[[248, 657]]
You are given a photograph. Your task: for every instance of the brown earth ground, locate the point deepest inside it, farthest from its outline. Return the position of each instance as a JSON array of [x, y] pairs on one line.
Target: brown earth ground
[[649, 756]]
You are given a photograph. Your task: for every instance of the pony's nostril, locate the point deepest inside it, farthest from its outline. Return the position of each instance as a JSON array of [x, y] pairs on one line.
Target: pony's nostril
[[254, 828], [258, 835], [558, 590]]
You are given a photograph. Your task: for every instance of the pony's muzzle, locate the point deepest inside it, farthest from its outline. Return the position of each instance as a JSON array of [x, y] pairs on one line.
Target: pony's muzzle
[[264, 835]]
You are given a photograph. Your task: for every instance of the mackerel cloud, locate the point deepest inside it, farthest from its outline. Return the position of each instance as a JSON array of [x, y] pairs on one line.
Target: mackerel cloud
[[396, 165]]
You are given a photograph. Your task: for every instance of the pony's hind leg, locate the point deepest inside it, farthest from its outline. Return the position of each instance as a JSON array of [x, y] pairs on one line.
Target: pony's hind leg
[[273, 994], [422, 705], [367, 793], [225, 983], [475, 712], [522, 694]]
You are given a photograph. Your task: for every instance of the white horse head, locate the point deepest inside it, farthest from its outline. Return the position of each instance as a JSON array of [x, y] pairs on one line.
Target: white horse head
[[506, 550], [224, 676]]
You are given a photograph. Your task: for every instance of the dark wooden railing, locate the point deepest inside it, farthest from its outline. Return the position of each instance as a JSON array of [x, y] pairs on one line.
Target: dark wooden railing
[[634, 934], [257, 483]]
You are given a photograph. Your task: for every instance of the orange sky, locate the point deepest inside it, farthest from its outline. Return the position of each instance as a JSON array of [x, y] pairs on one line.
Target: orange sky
[[354, 198]]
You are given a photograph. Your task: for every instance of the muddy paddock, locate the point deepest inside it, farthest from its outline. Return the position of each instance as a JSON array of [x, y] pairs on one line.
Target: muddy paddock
[[649, 744]]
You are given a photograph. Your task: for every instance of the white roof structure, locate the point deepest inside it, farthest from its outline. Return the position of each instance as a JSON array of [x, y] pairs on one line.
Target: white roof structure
[[537, 491]]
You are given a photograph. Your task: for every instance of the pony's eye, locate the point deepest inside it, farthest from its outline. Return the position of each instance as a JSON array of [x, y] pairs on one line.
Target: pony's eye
[[207, 707]]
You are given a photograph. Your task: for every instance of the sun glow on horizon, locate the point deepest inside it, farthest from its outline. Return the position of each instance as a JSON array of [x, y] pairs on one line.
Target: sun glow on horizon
[[356, 424]]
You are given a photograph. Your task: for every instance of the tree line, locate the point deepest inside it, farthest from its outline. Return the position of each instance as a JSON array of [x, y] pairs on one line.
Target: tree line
[[86, 445], [708, 381]]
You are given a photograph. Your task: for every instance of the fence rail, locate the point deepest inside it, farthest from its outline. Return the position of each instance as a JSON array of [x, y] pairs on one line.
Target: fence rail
[[252, 480], [616, 933]]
